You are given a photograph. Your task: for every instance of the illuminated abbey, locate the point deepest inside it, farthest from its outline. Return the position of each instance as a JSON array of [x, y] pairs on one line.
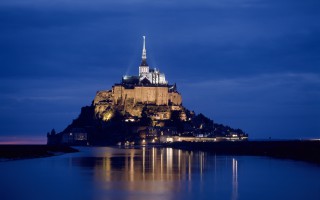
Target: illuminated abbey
[[150, 87]]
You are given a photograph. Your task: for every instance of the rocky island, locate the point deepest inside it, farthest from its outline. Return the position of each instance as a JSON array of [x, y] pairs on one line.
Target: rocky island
[[141, 109]]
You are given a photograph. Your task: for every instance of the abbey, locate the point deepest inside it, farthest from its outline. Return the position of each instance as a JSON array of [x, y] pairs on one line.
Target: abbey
[[150, 87]]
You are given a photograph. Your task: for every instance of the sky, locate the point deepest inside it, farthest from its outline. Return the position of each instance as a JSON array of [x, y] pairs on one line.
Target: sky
[[249, 64]]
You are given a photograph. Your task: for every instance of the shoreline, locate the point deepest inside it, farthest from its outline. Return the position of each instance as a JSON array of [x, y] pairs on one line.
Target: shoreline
[[303, 150], [17, 152]]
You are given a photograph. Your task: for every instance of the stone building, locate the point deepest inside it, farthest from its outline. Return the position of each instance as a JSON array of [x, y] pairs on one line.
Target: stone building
[[150, 87]]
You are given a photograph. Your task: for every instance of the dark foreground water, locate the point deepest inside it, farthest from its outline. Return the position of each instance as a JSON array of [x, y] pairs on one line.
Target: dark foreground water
[[157, 173]]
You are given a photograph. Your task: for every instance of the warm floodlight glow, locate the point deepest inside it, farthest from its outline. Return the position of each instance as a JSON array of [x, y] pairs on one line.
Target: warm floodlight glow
[[107, 116]]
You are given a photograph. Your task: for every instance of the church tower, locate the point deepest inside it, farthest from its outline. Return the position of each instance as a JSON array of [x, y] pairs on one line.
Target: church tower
[[144, 68]]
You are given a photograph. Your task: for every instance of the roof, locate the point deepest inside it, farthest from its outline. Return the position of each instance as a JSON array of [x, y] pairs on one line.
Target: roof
[[145, 81]]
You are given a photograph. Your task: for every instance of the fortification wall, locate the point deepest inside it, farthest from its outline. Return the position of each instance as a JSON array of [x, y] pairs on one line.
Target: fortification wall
[[162, 95], [144, 94], [133, 100]]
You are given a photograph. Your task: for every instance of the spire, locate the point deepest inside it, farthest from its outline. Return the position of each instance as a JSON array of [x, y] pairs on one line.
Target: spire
[[144, 53]]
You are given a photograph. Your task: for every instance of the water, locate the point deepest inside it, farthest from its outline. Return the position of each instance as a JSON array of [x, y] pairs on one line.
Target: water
[[157, 173]]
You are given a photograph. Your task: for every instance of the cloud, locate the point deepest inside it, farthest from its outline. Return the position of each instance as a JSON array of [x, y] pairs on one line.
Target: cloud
[[97, 3], [263, 104], [50, 89], [261, 81], [292, 93]]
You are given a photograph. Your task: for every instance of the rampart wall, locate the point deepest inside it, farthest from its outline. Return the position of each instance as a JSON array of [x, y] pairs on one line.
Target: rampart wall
[[157, 95]]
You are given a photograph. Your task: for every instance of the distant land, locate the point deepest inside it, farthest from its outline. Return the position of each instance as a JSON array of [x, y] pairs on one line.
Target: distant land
[[141, 109], [14, 152]]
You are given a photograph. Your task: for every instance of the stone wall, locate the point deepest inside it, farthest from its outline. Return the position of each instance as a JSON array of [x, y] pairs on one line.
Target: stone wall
[[144, 94], [158, 98]]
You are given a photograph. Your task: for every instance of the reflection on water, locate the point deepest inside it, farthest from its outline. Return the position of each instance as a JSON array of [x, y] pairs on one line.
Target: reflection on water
[[148, 165], [154, 164], [144, 166], [234, 179], [104, 173], [161, 171]]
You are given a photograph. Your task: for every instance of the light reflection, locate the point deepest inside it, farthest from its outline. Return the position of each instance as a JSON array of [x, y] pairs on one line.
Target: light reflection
[[143, 162], [189, 167], [132, 166], [169, 163], [234, 179], [107, 166], [158, 169], [151, 164]]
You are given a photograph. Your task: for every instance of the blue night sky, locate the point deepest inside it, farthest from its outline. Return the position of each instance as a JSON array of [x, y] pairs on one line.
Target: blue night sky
[[250, 64]]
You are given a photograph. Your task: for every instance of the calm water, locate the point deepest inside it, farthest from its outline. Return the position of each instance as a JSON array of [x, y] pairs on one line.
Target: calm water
[[157, 173]]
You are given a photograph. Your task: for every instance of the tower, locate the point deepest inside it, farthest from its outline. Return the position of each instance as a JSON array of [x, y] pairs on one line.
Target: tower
[[144, 68]]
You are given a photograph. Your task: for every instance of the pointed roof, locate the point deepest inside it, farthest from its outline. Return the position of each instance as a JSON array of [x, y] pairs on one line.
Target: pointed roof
[[145, 81], [144, 53]]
